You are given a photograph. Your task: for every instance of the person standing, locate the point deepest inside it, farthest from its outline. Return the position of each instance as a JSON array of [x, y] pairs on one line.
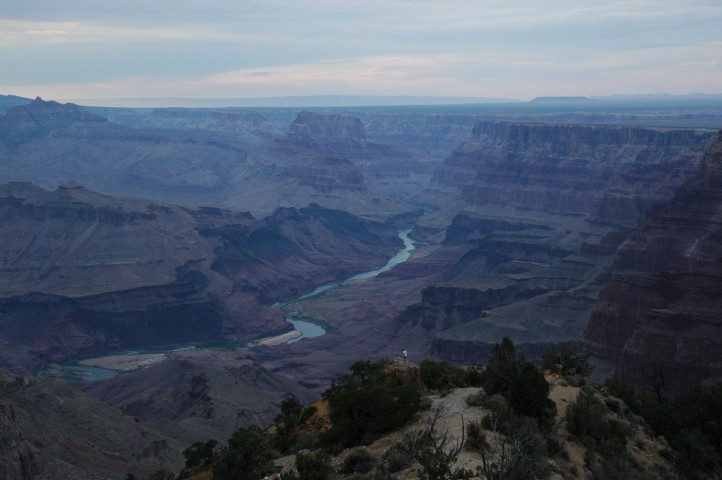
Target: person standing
[[404, 354]]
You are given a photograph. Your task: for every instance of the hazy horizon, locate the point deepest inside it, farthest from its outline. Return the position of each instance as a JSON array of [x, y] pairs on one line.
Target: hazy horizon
[[81, 49]]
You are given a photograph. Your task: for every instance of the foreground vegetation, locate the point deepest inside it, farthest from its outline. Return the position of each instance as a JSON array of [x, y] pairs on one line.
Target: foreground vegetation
[[386, 421]]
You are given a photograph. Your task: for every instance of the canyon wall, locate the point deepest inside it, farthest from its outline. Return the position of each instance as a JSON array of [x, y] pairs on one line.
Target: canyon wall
[[548, 206], [571, 168], [85, 274], [659, 322]]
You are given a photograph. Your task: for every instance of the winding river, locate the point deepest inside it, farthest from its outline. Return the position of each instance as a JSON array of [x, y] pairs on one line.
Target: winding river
[[73, 370], [309, 329]]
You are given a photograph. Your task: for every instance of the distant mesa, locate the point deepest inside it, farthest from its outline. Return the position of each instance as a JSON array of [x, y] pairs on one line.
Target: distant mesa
[[563, 99]]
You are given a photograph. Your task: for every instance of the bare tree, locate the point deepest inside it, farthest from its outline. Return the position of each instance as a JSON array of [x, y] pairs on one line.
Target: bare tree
[[514, 446], [435, 450], [657, 377]]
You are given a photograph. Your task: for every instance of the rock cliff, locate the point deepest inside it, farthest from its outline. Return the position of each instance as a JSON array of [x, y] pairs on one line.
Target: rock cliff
[[194, 396], [572, 168], [550, 204], [252, 127], [659, 322], [305, 153]]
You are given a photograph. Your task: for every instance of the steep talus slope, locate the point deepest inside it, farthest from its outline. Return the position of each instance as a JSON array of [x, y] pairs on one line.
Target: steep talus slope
[[102, 243], [430, 136], [349, 137], [659, 322], [295, 250], [9, 101], [83, 273], [230, 158], [49, 429]]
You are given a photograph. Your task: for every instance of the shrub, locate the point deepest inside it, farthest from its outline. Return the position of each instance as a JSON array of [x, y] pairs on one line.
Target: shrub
[[161, 474], [476, 399], [443, 376], [529, 394], [435, 451], [366, 404], [550, 360], [475, 438], [519, 381], [358, 460], [287, 422], [200, 453], [587, 418], [397, 459], [473, 378], [313, 466], [246, 457], [516, 446]]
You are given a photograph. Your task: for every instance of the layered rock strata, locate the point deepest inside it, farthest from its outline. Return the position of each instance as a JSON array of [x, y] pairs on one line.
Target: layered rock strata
[[305, 153], [659, 322], [570, 168], [550, 204]]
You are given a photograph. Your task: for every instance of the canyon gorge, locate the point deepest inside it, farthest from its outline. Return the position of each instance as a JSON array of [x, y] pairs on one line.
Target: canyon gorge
[[179, 231]]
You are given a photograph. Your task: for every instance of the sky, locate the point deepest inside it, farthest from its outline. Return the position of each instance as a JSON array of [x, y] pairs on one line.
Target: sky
[[90, 49]]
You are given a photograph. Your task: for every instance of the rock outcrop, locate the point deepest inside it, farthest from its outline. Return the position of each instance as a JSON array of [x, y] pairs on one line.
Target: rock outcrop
[[573, 168], [306, 153], [330, 160], [55, 328], [251, 127], [9, 101], [659, 322]]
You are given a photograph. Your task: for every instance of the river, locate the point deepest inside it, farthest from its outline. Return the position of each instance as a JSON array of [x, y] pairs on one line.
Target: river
[[306, 326]]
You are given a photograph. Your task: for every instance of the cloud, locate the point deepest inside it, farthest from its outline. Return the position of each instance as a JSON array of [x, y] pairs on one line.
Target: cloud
[[283, 47]]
